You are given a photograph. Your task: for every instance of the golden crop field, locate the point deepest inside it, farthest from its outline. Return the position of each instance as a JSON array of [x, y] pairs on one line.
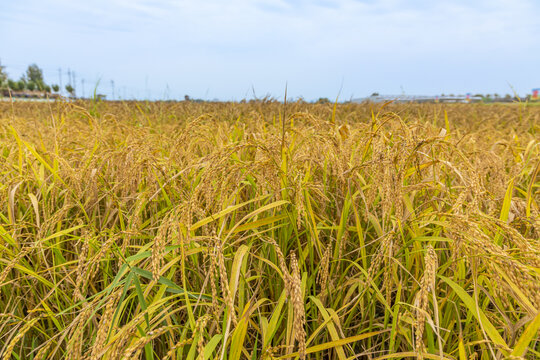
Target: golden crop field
[[269, 231]]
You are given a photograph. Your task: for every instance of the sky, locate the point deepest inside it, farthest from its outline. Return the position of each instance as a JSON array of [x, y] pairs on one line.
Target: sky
[[239, 49]]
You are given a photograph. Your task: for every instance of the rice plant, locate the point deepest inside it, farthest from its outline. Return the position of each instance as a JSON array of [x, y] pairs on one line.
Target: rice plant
[[265, 230]]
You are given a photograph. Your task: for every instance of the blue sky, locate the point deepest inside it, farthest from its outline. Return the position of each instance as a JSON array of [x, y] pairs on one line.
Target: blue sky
[[225, 49]]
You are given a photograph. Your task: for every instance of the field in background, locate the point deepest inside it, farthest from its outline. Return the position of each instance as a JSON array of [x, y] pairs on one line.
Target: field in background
[[220, 231]]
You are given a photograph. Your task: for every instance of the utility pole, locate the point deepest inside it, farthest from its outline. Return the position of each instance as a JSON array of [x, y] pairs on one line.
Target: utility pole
[[74, 84], [167, 92], [82, 83], [112, 86], [60, 79]]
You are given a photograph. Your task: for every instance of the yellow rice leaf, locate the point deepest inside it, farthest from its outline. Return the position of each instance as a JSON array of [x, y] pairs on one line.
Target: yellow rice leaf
[[335, 343], [484, 322], [528, 335]]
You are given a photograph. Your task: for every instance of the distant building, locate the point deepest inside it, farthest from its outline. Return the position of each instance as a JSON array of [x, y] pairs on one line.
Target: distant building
[[376, 98], [27, 94]]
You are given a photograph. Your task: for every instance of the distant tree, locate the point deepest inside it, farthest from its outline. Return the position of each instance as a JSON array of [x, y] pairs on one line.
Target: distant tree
[[375, 94], [34, 74], [323, 101], [70, 90], [21, 85], [187, 98], [56, 88], [31, 86], [3, 75], [47, 88], [12, 84]]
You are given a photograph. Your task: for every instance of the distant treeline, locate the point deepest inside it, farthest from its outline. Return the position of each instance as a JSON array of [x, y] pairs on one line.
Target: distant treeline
[[31, 84]]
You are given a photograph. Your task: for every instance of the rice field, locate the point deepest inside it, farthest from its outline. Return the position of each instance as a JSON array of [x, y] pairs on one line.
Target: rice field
[[266, 230]]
